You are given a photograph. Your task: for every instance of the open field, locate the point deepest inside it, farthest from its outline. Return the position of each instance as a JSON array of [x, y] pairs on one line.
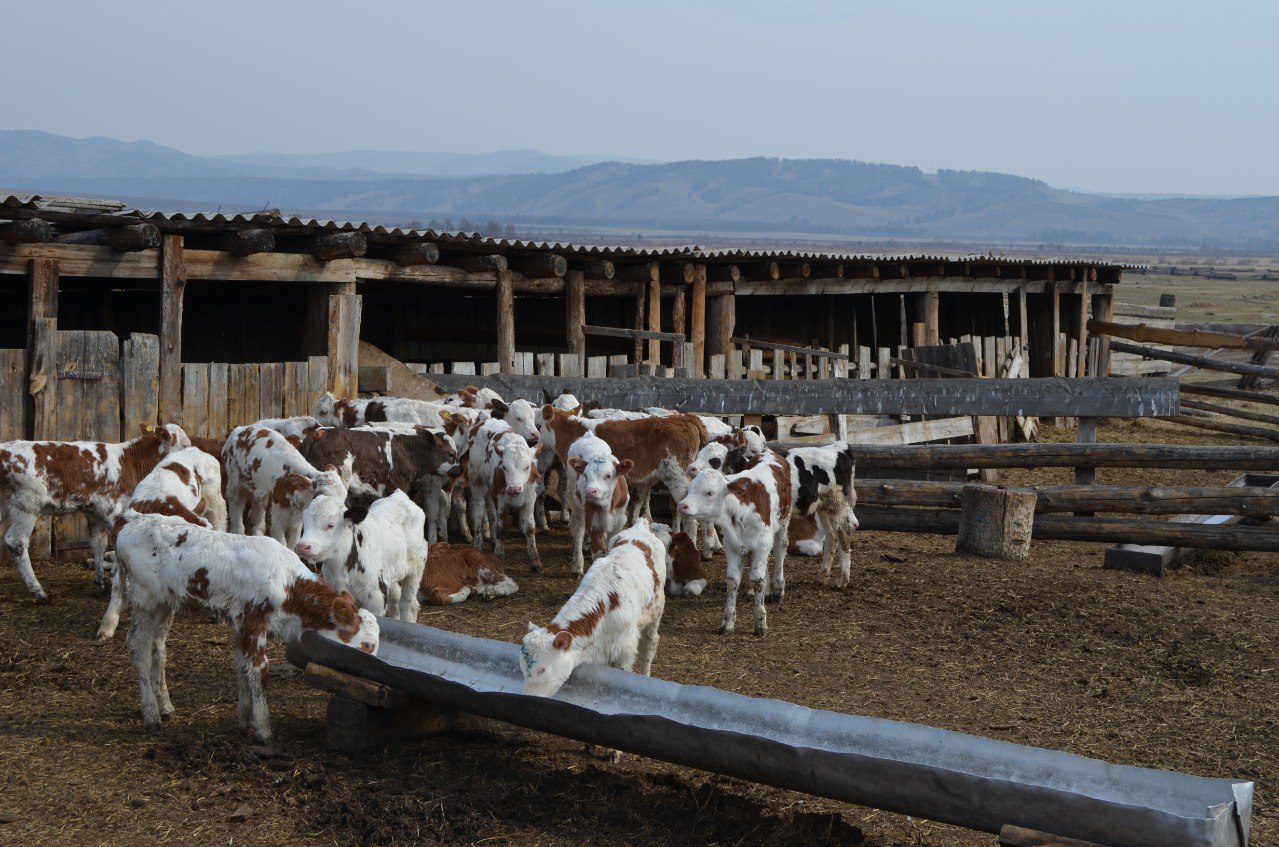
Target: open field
[[1179, 673]]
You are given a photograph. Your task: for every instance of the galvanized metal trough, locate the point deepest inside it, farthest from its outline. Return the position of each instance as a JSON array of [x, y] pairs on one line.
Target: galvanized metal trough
[[916, 770]]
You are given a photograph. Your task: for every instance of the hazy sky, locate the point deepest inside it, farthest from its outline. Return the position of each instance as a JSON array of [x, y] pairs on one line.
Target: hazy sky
[[1102, 95]]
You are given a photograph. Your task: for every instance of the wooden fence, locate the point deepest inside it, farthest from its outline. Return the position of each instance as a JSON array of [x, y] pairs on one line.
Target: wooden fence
[[217, 397]]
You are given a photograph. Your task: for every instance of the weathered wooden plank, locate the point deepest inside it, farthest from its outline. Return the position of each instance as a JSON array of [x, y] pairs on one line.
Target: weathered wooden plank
[[1016, 836], [1070, 456], [296, 384], [1071, 528], [139, 382], [195, 398], [102, 355], [270, 390], [13, 394], [1132, 310], [219, 411], [1220, 424], [506, 320], [1198, 361], [318, 375], [1094, 397], [1242, 414], [1229, 393], [344, 344], [915, 432], [42, 381], [1181, 337], [1131, 499]]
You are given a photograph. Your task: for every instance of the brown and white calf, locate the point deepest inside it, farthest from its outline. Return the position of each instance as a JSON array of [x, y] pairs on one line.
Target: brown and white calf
[[823, 479], [503, 478], [295, 429], [59, 477], [377, 553], [659, 448], [612, 618], [335, 411], [374, 461], [685, 575], [261, 587], [269, 483], [453, 574], [600, 496], [752, 511], [186, 484]]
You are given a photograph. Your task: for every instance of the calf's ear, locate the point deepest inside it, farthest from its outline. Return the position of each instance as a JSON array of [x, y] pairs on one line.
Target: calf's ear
[[563, 640], [532, 627], [578, 464], [548, 412], [624, 467], [356, 514]]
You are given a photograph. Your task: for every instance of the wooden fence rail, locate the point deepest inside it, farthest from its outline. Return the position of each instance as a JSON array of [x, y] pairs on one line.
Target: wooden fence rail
[[1069, 456]]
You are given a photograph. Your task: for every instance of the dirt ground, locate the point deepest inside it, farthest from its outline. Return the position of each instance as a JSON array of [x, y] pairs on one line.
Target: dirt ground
[[1180, 672]]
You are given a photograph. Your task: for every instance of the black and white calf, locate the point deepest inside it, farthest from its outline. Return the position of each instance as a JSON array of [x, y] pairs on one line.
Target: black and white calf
[[823, 478]]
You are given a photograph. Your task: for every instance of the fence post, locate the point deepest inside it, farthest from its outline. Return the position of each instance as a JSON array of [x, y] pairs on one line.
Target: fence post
[[173, 280]]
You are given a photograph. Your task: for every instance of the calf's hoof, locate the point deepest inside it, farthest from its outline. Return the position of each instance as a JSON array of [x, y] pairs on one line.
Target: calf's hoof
[[724, 630], [42, 599], [760, 630]]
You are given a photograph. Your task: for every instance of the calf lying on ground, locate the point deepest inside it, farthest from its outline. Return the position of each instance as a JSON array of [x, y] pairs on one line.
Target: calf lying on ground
[[600, 495], [454, 573], [377, 553], [60, 477], [502, 477], [269, 483], [333, 411], [805, 537], [187, 485], [823, 478], [685, 575], [259, 585], [752, 511], [611, 619]]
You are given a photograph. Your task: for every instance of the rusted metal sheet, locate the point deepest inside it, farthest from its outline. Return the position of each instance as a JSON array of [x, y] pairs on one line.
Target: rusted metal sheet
[[1048, 397], [917, 770]]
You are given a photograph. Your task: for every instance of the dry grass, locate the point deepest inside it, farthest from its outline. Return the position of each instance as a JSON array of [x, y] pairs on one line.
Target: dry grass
[[1178, 673]]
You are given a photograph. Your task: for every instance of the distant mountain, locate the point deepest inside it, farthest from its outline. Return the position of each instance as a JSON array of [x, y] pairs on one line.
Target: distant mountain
[[767, 196], [424, 164]]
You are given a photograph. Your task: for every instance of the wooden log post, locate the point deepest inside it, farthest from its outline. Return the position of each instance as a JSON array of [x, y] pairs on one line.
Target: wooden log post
[[721, 325], [575, 314], [655, 316], [679, 315], [697, 316], [1086, 474], [173, 280], [506, 321], [1103, 309], [995, 522], [932, 318], [1204, 362], [1080, 327], [42, 373], [344, 341]]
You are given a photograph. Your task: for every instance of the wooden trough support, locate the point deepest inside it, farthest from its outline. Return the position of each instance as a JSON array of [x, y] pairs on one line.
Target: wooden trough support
[[907, 768], [1154, 559], [365, 715]]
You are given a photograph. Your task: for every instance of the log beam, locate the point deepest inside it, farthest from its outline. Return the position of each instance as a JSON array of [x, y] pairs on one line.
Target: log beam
[[31, 231], [1182, 337], [697, 317], [248, 242], [1229, 393], [1243, 368], [932, 318], [594, 268], [678, 273], [337, 245], [723, 273], [121, 239], [420, 253], [540, 265], [479, 264], [173, 280]]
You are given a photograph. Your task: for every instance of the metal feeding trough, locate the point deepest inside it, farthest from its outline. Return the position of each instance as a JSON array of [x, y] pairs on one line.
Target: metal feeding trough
[[917, 770]]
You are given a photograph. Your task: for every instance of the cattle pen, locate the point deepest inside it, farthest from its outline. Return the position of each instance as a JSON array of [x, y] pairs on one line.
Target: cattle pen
[[117, 318]]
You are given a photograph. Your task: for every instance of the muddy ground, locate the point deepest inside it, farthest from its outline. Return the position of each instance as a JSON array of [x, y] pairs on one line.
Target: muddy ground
[[1180, 672]]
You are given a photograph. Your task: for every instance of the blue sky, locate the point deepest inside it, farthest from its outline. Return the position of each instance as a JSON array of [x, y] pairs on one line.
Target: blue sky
[[1136, 96]]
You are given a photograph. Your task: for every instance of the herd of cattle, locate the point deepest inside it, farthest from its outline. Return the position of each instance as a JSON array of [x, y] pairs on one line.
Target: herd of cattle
[[325, 522]]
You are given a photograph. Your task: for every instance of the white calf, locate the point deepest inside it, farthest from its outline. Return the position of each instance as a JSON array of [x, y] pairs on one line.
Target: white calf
[[611, 619], [262, 588], [600, 495], [60, 477], [502, 477], [333, 411], [377, 553], [752, 510], [269, 483], [186, 485]]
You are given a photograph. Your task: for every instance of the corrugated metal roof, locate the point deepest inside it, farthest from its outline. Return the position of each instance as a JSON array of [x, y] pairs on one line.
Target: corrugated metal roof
[[94, 208]]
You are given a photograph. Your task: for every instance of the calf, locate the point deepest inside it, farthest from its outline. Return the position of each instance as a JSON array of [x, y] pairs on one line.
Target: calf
[[726, 455], [600, 495], [805, 536], [611, 619], [377, 553], [186, 484], [92, 477], [295, 430], [269, 483], [454, 573], [261, 587], [659, 448], [823, 479], [685, 576], [333, 411], [503, 477], [375, 461], [751, 509]]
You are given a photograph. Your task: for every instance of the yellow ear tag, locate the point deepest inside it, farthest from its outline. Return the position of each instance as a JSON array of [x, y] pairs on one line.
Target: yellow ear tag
[[444, 413], [150, 429]]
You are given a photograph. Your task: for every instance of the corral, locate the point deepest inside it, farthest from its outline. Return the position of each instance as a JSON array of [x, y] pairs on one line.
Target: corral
[[78, 388]]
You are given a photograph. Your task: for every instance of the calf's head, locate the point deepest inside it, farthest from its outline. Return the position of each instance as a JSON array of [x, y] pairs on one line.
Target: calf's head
[[351, 625], [523, 419], [325, 410], [712, 457], [597, 478], [546, 660], [517, 464], [706, 494], [327, 526]]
